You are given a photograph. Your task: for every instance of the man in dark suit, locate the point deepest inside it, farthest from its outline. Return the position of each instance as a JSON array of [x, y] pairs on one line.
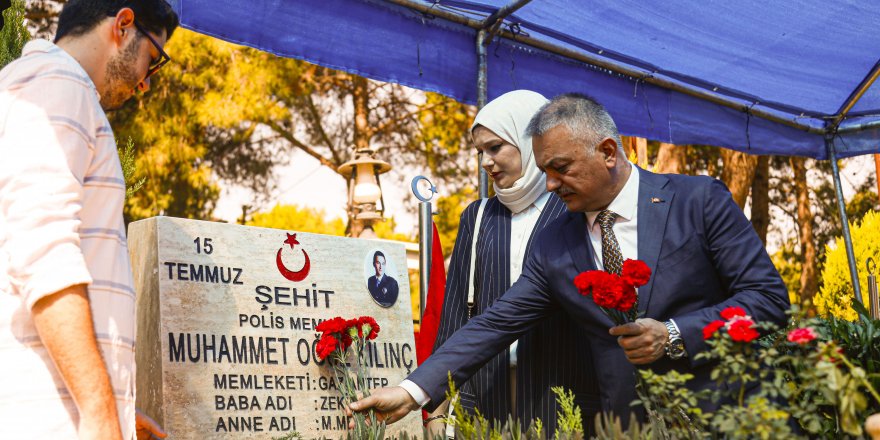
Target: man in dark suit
[[702, 250], [382, 287]]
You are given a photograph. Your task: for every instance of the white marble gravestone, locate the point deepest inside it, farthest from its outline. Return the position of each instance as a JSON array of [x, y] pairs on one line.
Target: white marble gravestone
[[226, 318]]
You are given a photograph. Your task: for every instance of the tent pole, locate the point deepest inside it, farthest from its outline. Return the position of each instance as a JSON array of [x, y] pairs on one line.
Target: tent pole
[[482, 96], [487, 30], [841, 207], [830, 130], [855, 96]]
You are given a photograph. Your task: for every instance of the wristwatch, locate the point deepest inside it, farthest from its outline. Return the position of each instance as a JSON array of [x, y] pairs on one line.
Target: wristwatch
[[674, 344]]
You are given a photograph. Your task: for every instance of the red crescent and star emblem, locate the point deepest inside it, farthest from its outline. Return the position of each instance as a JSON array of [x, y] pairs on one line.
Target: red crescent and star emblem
[[298, 275]]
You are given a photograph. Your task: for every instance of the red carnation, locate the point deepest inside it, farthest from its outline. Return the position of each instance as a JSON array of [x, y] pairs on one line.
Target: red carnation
[[607, 290], [712, 327], [741, 330], [635, 273], [731, 312], [335, 325], [326, 346], [586, 280], [628, 298], [802, 336], [346, 341], [371, 325]]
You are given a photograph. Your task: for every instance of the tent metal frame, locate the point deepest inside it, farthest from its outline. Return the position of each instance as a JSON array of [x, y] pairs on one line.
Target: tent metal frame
[[491, 27]]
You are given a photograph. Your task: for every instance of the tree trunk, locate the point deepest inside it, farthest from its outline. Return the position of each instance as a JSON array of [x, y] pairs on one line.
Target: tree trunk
[[360, 101], [671, 159], [877, 171], [361, 98], [761, 198], [809, 282], [738, 173]]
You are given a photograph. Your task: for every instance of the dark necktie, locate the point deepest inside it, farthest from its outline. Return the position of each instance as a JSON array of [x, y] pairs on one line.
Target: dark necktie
[[612, 259]]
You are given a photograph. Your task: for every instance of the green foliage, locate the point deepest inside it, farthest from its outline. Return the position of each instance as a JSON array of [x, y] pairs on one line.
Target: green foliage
[[571, 425], [301, 219], [293, 435], [129, 168], [860, 341], [608, 427], [476, 427], [304, 219], [817, 384], [672, 407], [836, 295], [14, 34], [449, 211], [788, 263], [222, 112]]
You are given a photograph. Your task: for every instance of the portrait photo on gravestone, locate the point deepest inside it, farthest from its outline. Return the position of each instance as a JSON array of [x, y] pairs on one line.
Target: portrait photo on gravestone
[[227, 326], [381, 282]]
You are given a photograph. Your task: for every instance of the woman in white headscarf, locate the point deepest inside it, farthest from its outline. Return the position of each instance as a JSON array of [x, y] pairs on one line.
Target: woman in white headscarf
[[556, 352]]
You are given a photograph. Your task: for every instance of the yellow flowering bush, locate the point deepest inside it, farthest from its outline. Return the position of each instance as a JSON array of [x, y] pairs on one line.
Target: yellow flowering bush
[[836, 295]]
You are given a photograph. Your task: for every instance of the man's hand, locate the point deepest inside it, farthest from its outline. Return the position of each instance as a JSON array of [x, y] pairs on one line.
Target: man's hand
[[146, 427], [390, 404], [643, 341]]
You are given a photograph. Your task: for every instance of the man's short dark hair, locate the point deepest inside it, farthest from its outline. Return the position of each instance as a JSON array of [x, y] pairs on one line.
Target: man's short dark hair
[[81, 16], [378, 254]]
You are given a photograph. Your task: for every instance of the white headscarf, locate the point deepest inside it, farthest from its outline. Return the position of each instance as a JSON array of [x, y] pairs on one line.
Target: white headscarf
[[508, 116]]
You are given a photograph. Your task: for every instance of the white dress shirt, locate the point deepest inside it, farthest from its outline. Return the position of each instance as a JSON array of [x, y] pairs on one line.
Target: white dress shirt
[[625, 205]]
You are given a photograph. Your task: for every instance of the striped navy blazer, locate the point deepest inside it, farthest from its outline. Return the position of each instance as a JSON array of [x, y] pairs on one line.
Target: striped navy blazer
[[555, 352]]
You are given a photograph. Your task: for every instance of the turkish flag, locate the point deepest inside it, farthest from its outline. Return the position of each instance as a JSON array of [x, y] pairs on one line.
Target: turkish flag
[[434, 303]]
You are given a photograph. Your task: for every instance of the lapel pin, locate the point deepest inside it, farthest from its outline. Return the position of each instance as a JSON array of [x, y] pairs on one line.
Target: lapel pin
[[656, 200]]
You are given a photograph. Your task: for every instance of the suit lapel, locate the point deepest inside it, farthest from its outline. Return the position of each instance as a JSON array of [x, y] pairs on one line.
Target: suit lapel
[[575, 234], [653, 210]]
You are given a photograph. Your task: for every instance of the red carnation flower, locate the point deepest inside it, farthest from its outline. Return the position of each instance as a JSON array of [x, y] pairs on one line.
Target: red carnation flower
[[731, 312], [325, 347], [802, 336], [635, 273], [741, 330], [608, 290], [712, 327], [335, 325], [586, 280], [369, 324], [628, 298]]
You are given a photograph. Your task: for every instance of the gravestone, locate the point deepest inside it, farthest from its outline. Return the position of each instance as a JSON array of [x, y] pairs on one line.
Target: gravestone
[[226, 326]]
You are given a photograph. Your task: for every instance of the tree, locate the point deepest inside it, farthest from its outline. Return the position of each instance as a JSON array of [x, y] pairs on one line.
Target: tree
[[14, 34], [304, 219], [300, 219], [232, 113], [737, 173], [671, 158], [808, 282], [760, 208]]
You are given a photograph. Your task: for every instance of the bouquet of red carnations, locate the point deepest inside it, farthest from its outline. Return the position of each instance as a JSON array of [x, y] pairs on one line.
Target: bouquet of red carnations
[[615, 294], [338, 335]]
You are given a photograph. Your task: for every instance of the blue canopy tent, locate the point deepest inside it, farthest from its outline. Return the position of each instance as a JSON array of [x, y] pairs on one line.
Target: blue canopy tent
[[785, 78]]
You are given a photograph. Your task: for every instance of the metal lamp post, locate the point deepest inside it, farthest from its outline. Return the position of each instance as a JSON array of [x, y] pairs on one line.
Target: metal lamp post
[[365, 202]]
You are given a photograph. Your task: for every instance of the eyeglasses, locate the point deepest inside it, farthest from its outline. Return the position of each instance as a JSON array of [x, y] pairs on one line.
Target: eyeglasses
[[155, 63]]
